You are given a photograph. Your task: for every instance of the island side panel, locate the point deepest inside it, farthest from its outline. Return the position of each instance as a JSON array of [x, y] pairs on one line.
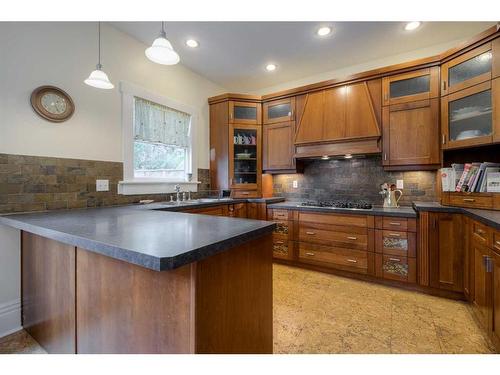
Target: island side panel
[[234, 301], [124, 308], [48, 292]]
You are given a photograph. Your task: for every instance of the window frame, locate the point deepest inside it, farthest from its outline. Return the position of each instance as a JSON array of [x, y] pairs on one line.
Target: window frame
[[144, 185]]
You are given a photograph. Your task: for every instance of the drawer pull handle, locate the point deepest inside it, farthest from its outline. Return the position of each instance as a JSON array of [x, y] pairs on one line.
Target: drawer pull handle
[[310, 254], [352, 260], [392, 223], [279, 242], [469, 200], [480, 231], [310, 233], [394, 235], [497, 242], [245, 193], [395, 259], [352, 238]]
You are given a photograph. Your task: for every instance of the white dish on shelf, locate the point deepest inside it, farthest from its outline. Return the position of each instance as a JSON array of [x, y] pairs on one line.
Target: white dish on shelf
[[466, 134], [243, 156]]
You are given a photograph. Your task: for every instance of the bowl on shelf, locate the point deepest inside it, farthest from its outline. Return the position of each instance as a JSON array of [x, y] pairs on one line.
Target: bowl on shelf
[[243, 156], [466, 134]]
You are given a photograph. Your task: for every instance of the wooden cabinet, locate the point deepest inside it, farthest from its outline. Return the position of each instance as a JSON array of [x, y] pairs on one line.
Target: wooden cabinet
[[480, 299], [340, 113], [277, 111], [257, 211], [471, 117], [245, 150], [245, 113], [422, 84], [411, 134], [283, 244], [237, 210], [446, 251], [469, 69], [236, 147], [494, 268], [278, 147]]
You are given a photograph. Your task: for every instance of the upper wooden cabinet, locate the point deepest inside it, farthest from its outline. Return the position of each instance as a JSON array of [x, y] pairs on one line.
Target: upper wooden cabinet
[[471, 68], [471, 116], [403, 125], [409, 87], [245, 163], [245, 113], [278, 147], [340, 113], [279, 111], [446, 251]]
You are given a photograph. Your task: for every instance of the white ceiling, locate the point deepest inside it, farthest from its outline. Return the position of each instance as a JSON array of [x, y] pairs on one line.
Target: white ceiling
[[233, 54]]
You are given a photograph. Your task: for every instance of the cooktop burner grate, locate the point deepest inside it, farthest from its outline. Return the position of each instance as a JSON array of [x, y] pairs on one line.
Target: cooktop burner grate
[[360, 205]]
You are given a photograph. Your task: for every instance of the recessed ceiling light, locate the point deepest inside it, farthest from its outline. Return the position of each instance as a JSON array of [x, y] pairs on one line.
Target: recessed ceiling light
[[324, 31], [271, 67], [412, 25], [192, 43]]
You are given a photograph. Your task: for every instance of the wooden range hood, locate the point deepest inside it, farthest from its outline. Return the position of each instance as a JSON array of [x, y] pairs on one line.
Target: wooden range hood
[[341, 120]]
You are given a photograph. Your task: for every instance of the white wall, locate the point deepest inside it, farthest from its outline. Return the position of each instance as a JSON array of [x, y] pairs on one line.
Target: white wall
[[10, 284], [358, 68], [63, 55]]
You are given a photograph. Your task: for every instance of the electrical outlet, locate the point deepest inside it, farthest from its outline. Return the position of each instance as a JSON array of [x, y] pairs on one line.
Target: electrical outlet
[[295, 184], [101, 185], [399, 184]]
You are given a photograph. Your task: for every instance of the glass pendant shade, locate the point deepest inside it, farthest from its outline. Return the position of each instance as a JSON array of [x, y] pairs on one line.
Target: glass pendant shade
[[99, 79], [162, 52]]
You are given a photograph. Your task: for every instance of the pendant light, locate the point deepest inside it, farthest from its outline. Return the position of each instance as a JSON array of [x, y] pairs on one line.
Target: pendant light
[[98, 78], [162, 52]]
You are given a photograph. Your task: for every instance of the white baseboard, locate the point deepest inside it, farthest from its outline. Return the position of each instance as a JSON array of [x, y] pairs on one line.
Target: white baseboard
[[10, 317]]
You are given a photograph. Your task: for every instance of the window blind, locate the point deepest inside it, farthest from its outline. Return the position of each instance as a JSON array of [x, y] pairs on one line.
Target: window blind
[[160, 124]]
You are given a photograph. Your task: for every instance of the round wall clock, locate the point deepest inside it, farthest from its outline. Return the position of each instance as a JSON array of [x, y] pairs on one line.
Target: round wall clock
[[52, 103]]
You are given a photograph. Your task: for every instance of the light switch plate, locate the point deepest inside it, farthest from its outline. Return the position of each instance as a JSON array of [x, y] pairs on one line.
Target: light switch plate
[[102, 185], [295, 184], [399, 184]]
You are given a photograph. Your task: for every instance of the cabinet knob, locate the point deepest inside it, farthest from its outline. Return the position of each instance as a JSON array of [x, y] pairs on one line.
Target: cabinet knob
[[443, 139], [444, 85]]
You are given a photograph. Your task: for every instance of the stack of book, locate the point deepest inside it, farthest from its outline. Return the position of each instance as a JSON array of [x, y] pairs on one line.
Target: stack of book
[[472, 178]]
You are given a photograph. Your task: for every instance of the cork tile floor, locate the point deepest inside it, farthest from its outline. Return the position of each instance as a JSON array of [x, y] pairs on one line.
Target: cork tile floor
[[320, 313]]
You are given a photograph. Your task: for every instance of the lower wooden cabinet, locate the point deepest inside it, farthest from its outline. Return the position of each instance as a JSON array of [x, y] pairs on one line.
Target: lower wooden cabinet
[[495, 302], [397, 268], [237, 210], [480, 300], [256, 210], [446, 251]]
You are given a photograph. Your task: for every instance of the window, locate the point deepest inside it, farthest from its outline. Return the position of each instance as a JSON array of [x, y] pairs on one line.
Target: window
[[159, 135], [161, 141]]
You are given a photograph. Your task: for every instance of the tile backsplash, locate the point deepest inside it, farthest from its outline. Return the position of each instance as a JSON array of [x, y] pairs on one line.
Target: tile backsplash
[[33, 183], [357, 178]]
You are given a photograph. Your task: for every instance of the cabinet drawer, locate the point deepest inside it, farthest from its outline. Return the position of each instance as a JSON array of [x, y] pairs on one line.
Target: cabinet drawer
[[336, 219], [396, 268], [481, 233], [389, 242], [395, 223], [245, 194], [473, 202], [282, 248], [349, 237], [345, 259], [284, 228], [279, 214]]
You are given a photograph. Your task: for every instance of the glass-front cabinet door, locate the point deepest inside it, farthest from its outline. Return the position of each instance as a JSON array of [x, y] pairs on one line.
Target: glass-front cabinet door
[[467, 116], [279, 111], [413, 86], [467, 70], [245, 150], [245, 113]]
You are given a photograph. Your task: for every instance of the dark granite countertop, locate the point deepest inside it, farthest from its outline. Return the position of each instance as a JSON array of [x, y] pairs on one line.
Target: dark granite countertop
[[376, 211], [157, 240], [487, 217]]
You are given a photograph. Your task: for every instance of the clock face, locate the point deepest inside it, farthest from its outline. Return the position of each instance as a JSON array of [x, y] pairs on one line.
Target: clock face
[[54, 103]]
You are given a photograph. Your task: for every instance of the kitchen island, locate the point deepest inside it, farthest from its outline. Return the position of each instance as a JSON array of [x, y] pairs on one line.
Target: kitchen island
[[128, 280]]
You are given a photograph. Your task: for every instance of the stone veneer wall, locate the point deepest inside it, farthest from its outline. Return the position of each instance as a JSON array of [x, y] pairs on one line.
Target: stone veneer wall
[[353, 179], [33, 183]]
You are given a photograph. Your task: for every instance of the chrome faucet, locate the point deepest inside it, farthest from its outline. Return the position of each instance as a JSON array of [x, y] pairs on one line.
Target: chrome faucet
[[178, 192]]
